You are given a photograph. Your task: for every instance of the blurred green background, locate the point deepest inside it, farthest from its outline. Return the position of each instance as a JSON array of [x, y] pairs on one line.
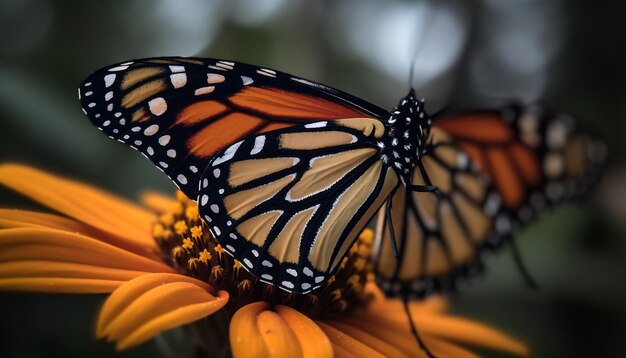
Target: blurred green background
[[567, 55]]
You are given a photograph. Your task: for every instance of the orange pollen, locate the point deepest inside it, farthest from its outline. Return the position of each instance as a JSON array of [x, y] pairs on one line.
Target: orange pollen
[[187, 243], [205, 256], [192, 213], [219, 249], [196, 232], [180, 227]]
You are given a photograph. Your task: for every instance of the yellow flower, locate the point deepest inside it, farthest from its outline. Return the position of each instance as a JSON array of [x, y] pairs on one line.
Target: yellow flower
[[99, 243]]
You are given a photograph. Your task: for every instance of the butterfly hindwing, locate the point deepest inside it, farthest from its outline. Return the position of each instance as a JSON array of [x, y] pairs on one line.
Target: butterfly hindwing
[[288, 204], [440, 235], [180, 112]]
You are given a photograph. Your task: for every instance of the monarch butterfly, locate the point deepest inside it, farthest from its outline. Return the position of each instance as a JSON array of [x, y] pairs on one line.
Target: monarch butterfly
[[286, 171]]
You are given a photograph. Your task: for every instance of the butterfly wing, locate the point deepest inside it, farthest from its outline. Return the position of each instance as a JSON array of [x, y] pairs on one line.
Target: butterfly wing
[[440, 236], [180, 112], [289, 203], [534, 158], [521, 162]]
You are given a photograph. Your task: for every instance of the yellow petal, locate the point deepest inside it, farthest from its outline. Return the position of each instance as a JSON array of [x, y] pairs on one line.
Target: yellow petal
[[175, 317], [450, 328], [398, 335], [58, 285], [339, 352], [83, 202], [129, 292], [11, 218], [157, 202], [245, 340], [473, 333], [41, 268], [313, 341], [54, 245], [444, 349], [368, 339], [397, 340], [279, 338], [347, 343]]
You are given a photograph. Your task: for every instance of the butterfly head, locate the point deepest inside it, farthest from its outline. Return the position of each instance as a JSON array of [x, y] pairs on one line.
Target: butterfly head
[[409, 126]]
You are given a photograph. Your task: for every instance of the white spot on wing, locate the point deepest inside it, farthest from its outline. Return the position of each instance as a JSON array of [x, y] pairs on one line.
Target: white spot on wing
[[164, 140], [246, 80], [178, 79], [118, 68], [151, 130], [109, 79], [176, 68], [181, 179], [316, 125], [213, 78], [228, 154], [204, 90], [259, 142], [158, 106]]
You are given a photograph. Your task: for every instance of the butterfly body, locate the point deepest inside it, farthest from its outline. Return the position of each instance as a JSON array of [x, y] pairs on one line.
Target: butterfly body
[[408, 127]]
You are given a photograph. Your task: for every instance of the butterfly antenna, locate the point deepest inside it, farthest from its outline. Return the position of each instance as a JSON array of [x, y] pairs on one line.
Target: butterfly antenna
[[392, 232], [422, 25], [522, 267], [429, 354]]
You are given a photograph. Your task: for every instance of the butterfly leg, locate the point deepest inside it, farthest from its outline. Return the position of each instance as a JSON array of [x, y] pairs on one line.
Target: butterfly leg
[[423, 188], [428, 188], [429, 354], [522, 267], [392, 232]]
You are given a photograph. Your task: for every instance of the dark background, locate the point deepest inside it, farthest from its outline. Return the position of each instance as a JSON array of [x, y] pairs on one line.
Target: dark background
[[567, 55]]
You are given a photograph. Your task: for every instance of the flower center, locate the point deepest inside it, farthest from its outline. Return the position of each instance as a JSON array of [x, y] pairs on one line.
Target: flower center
[[188, 246]]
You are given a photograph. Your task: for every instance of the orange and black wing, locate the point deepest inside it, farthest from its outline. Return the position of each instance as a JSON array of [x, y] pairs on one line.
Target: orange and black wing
[[180, 112], [511, 165], [288, 204], [535, 159]]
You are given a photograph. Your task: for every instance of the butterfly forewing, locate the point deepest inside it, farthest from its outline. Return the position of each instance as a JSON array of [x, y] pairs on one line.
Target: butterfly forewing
[[289, 203], [180, 112]]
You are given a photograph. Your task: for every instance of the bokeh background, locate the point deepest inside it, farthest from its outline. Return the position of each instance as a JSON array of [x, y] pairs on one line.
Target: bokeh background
[[567, 55]]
